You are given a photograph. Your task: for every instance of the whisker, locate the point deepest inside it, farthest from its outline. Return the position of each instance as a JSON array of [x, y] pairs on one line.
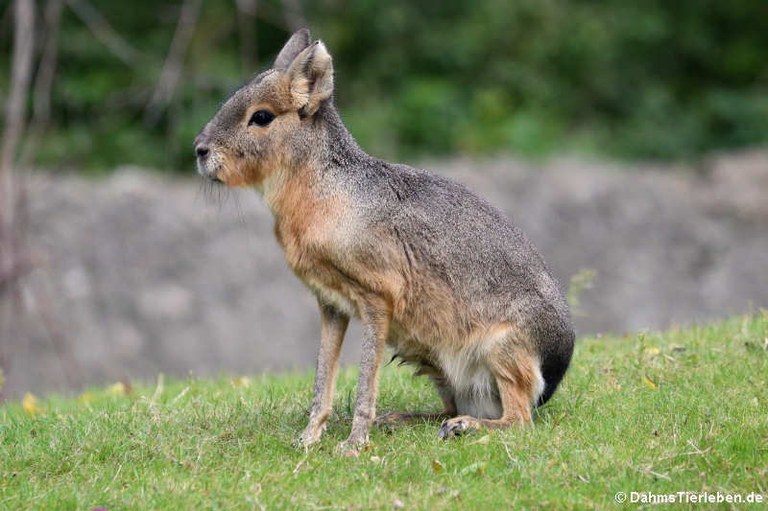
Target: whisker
[[223, 195], [201, 191], [239, 212], [211, 192]]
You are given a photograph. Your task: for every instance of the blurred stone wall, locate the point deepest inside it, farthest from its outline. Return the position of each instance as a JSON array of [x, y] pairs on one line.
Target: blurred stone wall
[[140, 274]]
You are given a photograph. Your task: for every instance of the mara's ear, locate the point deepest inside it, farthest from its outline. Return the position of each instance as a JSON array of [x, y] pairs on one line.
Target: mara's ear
[[298, 42], [311, 78]]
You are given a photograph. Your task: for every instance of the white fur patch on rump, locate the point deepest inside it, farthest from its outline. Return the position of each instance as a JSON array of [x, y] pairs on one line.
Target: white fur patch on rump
[[475, 387]]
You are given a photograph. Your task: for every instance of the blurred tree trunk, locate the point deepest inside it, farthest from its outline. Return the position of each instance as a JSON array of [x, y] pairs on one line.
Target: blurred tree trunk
[[15, 120], [104, 32], [48, 61], [48, 36], [174, 62], [12, 264]]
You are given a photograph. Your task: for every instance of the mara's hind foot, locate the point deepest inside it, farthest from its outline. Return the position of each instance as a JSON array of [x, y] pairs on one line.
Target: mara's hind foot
[[456, 426]]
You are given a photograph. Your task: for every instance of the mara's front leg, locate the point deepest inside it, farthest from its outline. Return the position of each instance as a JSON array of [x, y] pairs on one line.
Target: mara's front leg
[[375, 316], [333, 325]]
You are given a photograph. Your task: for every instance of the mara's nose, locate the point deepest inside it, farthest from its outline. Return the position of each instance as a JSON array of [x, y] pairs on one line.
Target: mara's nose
[[202, 151]]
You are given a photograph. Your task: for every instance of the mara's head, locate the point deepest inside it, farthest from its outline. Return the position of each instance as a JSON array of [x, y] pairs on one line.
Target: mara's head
[[266, 125]]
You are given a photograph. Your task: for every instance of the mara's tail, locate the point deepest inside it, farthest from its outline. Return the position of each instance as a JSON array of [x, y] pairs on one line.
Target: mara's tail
[[553, 368]]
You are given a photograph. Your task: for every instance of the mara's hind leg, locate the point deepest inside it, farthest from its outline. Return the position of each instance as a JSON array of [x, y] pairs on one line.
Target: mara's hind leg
[[444, 390], [519, 382]]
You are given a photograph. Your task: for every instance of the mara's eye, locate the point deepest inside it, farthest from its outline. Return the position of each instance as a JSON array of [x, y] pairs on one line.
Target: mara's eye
[[261, 118]]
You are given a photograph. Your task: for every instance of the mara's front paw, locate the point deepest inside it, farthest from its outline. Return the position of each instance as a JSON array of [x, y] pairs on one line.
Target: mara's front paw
[[454, 427], [352, 447], [309, 437]]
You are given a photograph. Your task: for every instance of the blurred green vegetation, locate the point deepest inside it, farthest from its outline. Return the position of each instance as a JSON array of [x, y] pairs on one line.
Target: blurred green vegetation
[[656, 79]]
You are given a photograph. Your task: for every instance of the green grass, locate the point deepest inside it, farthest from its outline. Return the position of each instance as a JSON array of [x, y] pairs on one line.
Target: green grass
[[683, 410]]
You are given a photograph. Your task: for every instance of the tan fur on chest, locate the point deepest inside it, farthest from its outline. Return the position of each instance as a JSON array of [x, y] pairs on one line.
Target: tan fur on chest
[[312, 229], [304, 221]]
